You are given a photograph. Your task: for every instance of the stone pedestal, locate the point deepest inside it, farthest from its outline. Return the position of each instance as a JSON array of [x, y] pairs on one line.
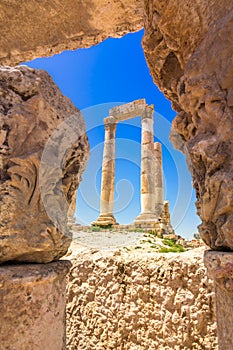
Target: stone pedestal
[[220, 268], [106, 217], [32, 304]]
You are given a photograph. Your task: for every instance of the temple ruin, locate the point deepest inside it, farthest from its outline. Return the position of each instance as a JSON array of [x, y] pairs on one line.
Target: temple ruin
[[151, 189], [188, 48]]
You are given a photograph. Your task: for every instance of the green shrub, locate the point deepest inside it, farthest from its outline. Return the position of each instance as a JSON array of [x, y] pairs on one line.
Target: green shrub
[[109, 228], [95, 229], [147, 241], [154, 246], [100, 228], [173, 247], [169, 242], [153, 233], [135, 230]]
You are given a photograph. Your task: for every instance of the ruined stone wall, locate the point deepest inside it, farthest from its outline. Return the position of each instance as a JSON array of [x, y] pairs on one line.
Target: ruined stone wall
[[140, 301]]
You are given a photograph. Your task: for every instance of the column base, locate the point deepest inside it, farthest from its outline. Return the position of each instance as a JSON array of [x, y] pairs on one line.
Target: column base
[[33, 300], [105, 220], [146, 220], [220, 268]]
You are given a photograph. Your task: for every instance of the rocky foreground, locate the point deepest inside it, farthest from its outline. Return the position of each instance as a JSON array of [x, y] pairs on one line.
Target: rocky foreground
[[133, 297]]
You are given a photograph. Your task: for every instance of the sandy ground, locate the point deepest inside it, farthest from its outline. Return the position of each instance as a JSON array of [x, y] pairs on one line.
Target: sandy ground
[[124, 243]]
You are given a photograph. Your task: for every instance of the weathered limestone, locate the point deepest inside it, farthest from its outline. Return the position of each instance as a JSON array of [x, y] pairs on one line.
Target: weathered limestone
[[137, 300], [32, 299], [43, 152], [151, 166], [51, 27], [158, 174], [220, 269], [37, 184], [129, 110], [163, 226], [188, 46], [147, 214], [106, 217], [174, 32], [189, 50]]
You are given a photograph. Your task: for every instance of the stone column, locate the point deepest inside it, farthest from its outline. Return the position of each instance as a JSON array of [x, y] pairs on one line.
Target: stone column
[[147, 215], [33, 300], [106, 217], [220, 268], [159, 188]]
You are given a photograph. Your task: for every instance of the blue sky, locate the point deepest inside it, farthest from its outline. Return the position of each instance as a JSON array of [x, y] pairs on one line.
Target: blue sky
[[96, 79]]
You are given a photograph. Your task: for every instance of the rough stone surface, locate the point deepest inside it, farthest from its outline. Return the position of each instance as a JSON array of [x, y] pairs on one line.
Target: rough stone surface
[[32, 299], [34, 199], [189, 50], [163, 226], [220, 269], [138, 300], [42, 28]]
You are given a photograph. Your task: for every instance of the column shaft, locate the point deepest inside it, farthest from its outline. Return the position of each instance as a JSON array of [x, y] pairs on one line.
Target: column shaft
[[108, 170], [106, 216], [159, 188], [147, 215], [147, 165]]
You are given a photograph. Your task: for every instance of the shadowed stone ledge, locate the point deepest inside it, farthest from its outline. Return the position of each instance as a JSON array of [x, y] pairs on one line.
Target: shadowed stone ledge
[[62, 26]]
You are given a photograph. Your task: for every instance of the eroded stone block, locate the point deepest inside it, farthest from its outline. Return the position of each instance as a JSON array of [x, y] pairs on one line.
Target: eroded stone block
[[37, 122], [32, 299], [220, 269]]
